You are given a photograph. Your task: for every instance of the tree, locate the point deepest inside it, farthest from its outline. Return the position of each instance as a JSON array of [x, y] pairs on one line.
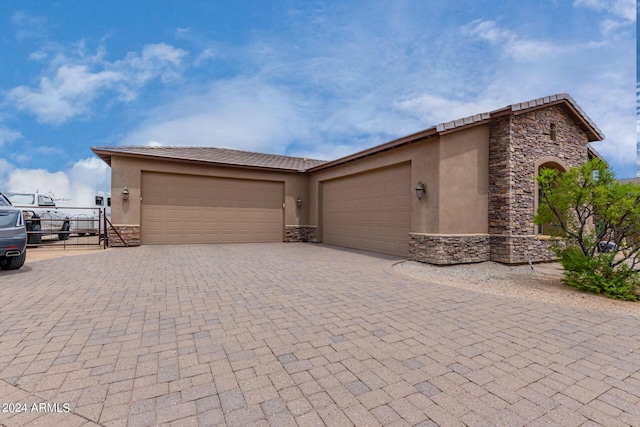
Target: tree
[[598, 219]]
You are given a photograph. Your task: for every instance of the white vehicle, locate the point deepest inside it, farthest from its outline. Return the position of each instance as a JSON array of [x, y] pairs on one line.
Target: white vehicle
[[43, 217]]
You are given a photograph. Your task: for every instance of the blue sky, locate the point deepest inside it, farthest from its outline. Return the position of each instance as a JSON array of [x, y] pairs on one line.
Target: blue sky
[[303, 78]]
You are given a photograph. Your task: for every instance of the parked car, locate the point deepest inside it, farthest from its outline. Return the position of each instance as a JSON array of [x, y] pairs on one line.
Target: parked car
[[608, 246], [13, 236], [41, 215]]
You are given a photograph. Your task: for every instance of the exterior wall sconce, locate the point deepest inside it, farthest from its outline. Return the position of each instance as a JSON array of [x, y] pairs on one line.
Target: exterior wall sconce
[[421, 189], [125, 194], [299, 202]]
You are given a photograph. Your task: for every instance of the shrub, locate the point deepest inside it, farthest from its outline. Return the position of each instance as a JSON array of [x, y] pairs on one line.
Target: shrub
[[596, 274], [590, 210]]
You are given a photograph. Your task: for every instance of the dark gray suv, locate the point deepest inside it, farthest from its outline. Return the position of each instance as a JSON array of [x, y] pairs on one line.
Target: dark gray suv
[[13, 236]]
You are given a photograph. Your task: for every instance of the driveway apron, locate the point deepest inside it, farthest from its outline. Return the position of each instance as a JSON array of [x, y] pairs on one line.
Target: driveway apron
[[296, 334]]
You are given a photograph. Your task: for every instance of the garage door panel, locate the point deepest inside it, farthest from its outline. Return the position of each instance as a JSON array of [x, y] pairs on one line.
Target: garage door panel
[[371, 211], [197, 209]]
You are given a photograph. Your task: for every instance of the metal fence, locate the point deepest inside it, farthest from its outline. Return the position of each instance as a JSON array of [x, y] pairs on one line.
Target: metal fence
[[67, 228]]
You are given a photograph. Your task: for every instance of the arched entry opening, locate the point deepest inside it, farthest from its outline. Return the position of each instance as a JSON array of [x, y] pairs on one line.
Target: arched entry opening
[[546, 163]]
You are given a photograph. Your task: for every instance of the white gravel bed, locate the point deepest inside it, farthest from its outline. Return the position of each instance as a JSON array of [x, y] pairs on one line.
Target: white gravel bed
[[543, 283]]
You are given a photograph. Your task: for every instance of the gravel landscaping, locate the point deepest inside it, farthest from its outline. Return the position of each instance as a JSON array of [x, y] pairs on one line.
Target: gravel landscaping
[[543, 283]]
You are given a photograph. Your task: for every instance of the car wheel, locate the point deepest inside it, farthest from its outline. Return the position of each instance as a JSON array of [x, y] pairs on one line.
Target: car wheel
[[65, 228], [35, 237], [13, 262]]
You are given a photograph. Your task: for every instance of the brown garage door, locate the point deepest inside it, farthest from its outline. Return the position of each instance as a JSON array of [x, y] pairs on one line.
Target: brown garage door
[[197, 209], [370, 211]]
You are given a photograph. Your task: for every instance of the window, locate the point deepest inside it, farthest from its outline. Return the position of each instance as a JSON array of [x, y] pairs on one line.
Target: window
[[552, 131], [45, 201], [20, 199]]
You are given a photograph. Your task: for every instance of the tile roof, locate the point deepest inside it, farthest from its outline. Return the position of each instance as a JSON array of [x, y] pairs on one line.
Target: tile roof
[[227, 156], [224, 156], [587, 125]]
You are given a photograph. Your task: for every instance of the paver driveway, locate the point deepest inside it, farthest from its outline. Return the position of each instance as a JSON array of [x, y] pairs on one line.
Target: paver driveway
[[286, 334]]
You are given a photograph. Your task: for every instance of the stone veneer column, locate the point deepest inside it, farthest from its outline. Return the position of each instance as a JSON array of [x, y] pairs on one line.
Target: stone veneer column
[[129, 233], [300, 233], [516, 142]]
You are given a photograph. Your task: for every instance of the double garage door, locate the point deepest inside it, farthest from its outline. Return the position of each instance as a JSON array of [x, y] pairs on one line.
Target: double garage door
[[370, 211], [197, 209]]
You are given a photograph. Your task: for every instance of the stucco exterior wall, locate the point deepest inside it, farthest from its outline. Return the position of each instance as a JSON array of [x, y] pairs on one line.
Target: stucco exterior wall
[[481, 192], [462, 231], [454, 169], [424, 159], [464, 181], [127, 172]]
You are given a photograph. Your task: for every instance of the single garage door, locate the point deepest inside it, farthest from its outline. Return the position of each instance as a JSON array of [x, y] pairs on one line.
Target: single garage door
[[198, 209], [370, 211]]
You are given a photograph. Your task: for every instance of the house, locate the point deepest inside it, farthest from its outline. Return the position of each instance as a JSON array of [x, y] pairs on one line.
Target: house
[[477, 175], [626, 180]]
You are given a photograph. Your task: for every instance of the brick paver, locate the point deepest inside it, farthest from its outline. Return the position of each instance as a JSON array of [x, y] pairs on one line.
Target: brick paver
[[296, 334]]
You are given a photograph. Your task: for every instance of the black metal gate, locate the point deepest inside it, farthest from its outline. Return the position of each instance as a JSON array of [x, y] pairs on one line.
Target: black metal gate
[[81, 227]]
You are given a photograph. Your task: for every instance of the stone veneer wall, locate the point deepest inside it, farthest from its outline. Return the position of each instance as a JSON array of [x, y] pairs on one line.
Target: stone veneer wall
[[449, 249], [130, 233], [300, 233], [516, 142], [521, 249]]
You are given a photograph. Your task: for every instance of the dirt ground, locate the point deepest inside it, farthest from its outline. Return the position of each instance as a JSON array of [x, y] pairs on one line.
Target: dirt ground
[[40, 254]]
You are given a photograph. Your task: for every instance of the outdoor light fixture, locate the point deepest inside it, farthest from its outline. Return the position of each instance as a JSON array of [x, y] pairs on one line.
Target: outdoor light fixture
[[420, 189], [299, 202], [125, 194]]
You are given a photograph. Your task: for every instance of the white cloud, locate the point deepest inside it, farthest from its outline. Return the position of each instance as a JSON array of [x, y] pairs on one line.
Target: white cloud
[[38, 56], [29, 26], [183, 33], [489, 31], [350, 86], [438, 109], [205, 55], [77, 186], [156, 60], [67, 94], [625, 9], [21, 158], [8, 135], [616, 119], [31, 180], [609, 26], [92, 171], [6, 169], [598, 73], [76, 82], [242, 114], [521, 50]]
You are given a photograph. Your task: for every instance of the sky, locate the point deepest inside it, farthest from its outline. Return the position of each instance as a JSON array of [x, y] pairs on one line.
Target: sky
[[319, 79]]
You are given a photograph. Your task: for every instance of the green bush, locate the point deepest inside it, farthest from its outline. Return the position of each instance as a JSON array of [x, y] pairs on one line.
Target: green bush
[[596, 274], [571, 203]]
